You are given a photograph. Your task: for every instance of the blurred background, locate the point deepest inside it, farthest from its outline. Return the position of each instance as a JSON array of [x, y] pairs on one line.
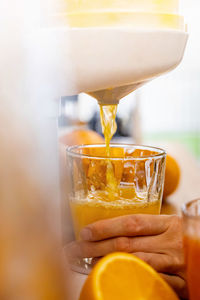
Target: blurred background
[[165, 111]]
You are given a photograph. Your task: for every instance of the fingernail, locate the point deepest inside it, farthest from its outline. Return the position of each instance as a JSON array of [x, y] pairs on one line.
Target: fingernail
[[86, 234]]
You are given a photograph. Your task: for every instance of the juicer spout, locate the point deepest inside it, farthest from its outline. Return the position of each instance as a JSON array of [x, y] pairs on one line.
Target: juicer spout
[[112, 96]]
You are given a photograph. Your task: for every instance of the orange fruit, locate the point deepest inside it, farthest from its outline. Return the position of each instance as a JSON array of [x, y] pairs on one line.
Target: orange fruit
[[123, 276], [95, 169], [72, 138], [81, 137], [172, 176]]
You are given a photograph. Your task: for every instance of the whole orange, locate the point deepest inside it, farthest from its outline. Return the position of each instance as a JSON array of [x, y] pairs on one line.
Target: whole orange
[[95, 171], [80, 137], [172, 176]]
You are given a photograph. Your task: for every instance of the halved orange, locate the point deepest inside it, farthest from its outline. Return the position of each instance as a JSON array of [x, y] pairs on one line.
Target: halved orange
[[122, 276]]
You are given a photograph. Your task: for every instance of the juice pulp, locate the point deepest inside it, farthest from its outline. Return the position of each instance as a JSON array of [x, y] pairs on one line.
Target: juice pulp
[[192, 256], [97, 206]]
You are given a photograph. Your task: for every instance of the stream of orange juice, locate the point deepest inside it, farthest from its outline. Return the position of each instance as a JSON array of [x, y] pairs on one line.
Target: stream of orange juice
[[109, 127], [114, 200]]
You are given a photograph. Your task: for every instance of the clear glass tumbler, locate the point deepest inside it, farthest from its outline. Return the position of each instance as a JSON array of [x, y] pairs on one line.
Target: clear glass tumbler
[[129, 181], [191, 231]]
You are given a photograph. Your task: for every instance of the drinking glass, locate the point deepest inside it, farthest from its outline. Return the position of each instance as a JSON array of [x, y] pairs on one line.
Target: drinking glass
[[128, 180], [191, 230]]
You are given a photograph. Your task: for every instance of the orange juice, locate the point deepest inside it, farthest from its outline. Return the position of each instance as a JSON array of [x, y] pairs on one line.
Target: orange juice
[[97, 206], [109, 127], [192, 256], [114, 185]]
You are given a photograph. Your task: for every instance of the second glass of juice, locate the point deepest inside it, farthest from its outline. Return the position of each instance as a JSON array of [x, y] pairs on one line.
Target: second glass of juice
[[191, 223], [128, 181]]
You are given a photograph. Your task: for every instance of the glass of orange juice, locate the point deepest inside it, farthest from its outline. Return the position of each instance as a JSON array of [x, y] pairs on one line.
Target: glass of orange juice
[[127, 180], [191, 223]]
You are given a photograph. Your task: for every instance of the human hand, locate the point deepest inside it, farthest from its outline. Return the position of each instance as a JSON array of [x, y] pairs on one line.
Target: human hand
[[155, 239]]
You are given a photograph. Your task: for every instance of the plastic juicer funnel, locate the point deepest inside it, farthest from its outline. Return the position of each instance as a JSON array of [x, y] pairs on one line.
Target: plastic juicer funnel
[[116, 62], [114, 50]]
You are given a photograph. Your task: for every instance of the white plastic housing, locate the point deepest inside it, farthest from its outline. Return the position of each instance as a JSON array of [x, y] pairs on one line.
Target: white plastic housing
[[106, 58], [112, 61]]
